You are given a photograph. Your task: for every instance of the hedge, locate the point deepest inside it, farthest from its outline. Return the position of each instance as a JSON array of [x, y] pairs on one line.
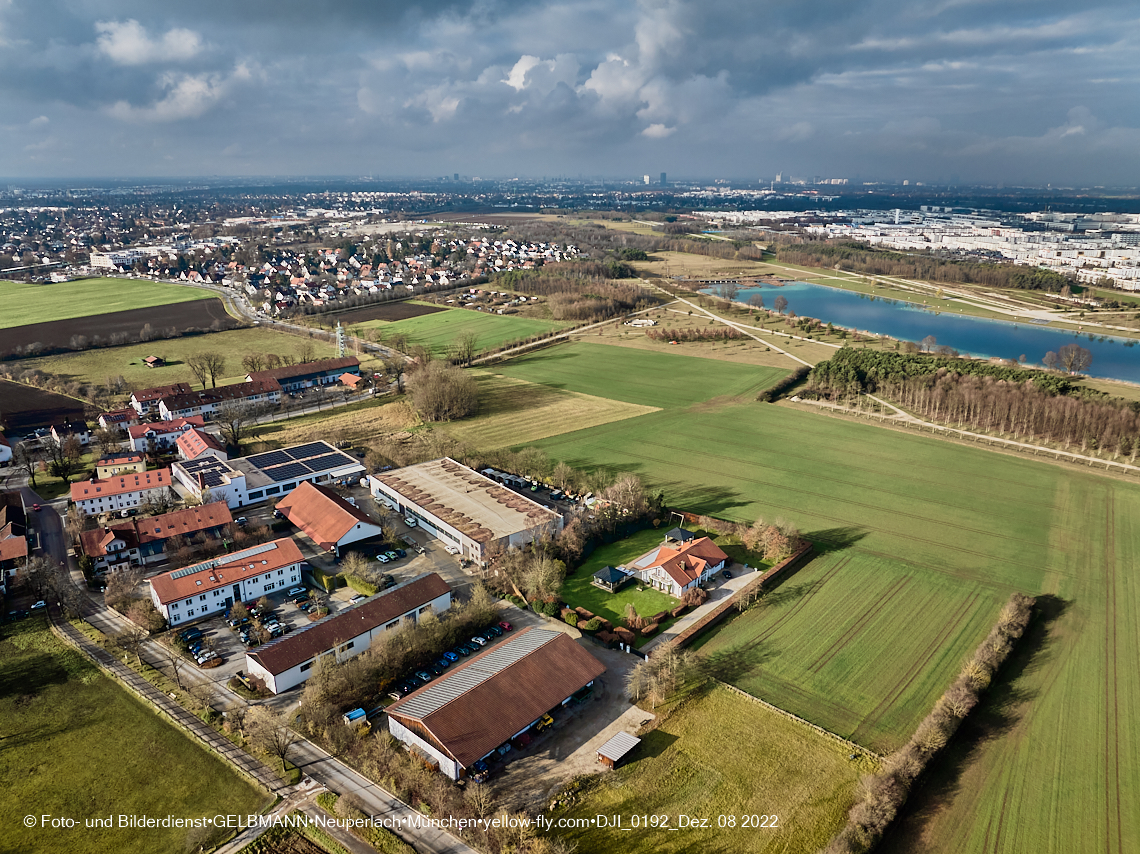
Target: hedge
[[366, 588], [650, 629], [326, 580]]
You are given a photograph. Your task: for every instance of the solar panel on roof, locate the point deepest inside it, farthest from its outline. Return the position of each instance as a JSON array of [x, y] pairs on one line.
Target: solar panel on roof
[[454, 685], [328, 461], [270, 458], [307, 450], [288, 472]]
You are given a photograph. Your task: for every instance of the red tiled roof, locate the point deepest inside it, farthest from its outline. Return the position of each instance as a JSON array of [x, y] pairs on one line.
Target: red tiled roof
[[13, 543], [323, 515], [226, 570], [116, 416], [182, 522], [686, 564], [159, 392], [95, 542], [193, 443], [291, 650], [304, 368], [122, 459], [120, 484], [137, 431], [480, 719]]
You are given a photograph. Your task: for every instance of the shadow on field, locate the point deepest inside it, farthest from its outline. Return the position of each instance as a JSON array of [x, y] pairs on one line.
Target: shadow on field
[[653, 744], [732, 665], [996, 716], [835, 539]]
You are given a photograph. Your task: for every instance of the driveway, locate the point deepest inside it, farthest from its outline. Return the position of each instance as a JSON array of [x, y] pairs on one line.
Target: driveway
[[717, 595]]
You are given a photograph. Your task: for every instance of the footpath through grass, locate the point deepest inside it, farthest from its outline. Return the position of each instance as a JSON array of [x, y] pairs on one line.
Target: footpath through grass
[[77, 745], [720, 757], [439, 329], [26, 303]]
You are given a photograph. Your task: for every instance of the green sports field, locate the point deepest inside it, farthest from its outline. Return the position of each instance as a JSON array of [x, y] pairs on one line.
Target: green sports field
[[77, 745], [694, 764], [439, 329], [30, 303], [947, 532]]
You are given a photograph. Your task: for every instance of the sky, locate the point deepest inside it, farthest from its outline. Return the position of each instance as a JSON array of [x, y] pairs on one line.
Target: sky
[[1016, 92]]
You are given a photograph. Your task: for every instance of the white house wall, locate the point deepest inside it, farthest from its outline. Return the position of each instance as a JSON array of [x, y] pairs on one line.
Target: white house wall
[[213, 601], [446, 764]]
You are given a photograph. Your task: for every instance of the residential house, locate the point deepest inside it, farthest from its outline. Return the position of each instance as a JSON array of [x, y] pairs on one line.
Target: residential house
[[143, 541], [120, 493], [115, 464], [213, 586], [145, 402], [206, 403], [118, 419], [78, 429], [161, 435], [13, 536], [196, 443], [677, 569]]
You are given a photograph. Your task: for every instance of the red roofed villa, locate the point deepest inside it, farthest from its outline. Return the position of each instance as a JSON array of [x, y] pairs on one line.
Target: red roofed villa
[[677, 569]]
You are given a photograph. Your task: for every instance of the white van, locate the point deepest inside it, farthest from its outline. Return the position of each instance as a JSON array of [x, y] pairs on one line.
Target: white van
[[410, 521]]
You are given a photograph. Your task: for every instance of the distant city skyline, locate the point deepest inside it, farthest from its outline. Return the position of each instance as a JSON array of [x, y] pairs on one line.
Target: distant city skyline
[[961, 92]]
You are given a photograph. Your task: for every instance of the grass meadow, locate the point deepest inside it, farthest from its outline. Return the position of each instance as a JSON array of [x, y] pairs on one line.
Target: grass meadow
[[77, 745], [693, 764], [438, 330], [577, 590], [94, 366], [943, 533], [31, 303]]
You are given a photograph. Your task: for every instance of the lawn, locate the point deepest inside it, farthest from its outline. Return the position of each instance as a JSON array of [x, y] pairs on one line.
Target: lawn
[[640, 376], [440, 329], [577, 590], [720, 754], [78, 745], [815, 647], [95, 366], [31, 303], [50, 487]]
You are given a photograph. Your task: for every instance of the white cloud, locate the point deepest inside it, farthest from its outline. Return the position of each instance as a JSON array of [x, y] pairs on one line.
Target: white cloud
[[128, 43], [39, 121], [188, 96], [658, 131]]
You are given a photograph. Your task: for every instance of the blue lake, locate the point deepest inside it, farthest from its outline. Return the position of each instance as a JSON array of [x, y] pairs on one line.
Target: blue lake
[[1114, 358]]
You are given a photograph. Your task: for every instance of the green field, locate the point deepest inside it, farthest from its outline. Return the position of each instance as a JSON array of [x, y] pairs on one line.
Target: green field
[[26, 303], [695, 763], [76, 745], [816, 646], [641, 376], [95, 366], [955, 529], [441, 328]]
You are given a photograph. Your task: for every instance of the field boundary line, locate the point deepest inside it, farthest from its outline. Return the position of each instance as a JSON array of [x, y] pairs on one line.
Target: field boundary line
[[188, 724], [858, 748]]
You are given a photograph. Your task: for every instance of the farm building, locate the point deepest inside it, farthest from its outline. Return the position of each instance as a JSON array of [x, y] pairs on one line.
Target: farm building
[[146, 401], [462, 507], [212, 586], [328, 520], [207, 403], [154, 362], [115, 464], [309, 374], [676, 570], [195, 443], [288, 661], [143, 541], [121, 492], [614, 750], [479, 705], [160, 436]]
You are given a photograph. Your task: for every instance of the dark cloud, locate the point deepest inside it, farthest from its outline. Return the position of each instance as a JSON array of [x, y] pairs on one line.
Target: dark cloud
[[1025, 91]]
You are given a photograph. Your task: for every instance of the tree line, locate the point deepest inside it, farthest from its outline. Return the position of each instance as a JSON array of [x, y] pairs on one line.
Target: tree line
[[859, 257]]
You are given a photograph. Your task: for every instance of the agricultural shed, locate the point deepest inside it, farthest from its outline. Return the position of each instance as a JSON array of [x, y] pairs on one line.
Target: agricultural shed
[[612, 752]]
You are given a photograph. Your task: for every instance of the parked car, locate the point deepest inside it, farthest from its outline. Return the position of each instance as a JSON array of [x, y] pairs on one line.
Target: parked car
[[383, 558], [726, 575], [277, 514], [479, 771], [190, 633], [493, 631], [38, 605], [37, 508], [465, 649], [451, 656], [242, 521], [441, 663], [425, 675], [296, 591], [401, 553], [479, 639], [505, 626], [391, 555], [410, 521]]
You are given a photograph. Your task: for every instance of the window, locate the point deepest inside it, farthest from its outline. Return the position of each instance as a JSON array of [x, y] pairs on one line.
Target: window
[[392, 625], [308, 665], [202, 598], [205, 608], [189, 601], [175, 606], [347, 646], [280, 572]]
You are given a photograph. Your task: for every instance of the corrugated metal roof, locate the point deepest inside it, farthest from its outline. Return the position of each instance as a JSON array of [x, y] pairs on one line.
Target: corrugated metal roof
[[619, 746], [454, 685], [224, 560]]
